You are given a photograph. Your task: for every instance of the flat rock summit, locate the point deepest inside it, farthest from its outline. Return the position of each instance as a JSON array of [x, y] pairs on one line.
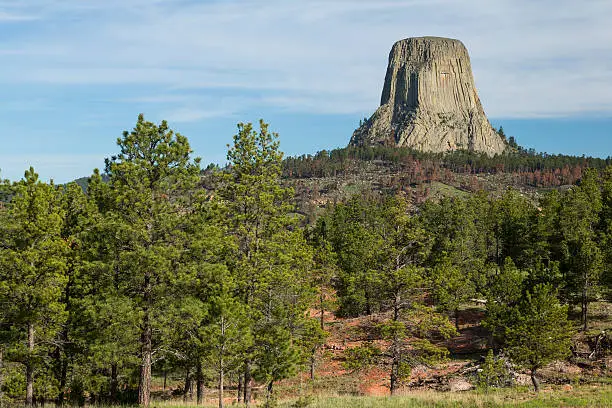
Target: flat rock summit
[[429, 101]]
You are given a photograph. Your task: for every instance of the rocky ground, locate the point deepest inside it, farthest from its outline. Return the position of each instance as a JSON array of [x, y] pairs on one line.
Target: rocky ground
[[590, 364]]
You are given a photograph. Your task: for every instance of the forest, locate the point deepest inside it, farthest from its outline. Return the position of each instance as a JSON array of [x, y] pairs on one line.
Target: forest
[[212, 278], [527, 167]]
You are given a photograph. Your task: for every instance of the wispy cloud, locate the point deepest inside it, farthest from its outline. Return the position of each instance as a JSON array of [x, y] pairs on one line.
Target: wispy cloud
[[191, 114], [548, 57], [7, 17]]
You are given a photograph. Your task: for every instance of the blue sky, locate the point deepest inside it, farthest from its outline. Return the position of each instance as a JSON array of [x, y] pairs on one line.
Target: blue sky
[[75, 73]]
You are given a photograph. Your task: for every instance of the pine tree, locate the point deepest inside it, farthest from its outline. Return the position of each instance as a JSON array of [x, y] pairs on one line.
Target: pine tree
[[323, 273], [357, 243], [271, 258], [493, 372], [404, 253], [227, 335], [79, 215], [606, 228], [505, 290], [460, 234], [150, 179], [110, 321], [214, 327], [452, 288], [541, 333], [513, 228], [6, 329], [384, 250], [32, 271], [325, 260], [579, 222]]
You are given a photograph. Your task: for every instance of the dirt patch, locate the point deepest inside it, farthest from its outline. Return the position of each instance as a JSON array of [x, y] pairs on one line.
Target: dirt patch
[[471, 340], [374, 383]]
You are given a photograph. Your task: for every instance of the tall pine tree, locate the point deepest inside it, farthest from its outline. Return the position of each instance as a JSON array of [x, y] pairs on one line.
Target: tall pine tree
[[33, 272], [151, 178]]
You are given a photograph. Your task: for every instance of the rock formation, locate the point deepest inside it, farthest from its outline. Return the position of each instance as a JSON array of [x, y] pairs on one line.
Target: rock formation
[[429, 101]]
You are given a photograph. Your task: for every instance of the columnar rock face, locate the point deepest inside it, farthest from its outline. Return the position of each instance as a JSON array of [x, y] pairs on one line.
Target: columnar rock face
[[429, 101]]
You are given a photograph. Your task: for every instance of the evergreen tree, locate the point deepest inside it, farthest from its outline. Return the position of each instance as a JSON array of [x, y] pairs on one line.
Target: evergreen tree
[[32, 272], [79, 214], [382, 239], [541, 332], [271, 258], [458, 252], [214, 328], [403, 254], [452, 288], [150, 180], [227, 336], [606, 229], [324, 269], [411, 341], [357, 243], [549, 235], [579, 221], [513, 228], [322, 273], [493, 372], [110, 320], [505, 291]]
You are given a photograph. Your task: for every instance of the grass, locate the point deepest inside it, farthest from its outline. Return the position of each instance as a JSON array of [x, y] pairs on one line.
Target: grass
[[439, 190], [591, 388], [583, 396], [600, 316]]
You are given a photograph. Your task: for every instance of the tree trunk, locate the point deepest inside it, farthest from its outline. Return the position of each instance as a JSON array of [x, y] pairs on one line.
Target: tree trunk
[[199, 383], [396, 307], [1, 377], [394, 374], [247, 384], [585, 307], [534, 380], [239, 388], [221, 375], [30, 367], [62, 385], [221, 361], [395, 362], [188, 386], [64, 338], [269, 392], [368, 305], [144, 385], [457, 318], [322, 311], [114, 383], [165, 379], [313, 359]]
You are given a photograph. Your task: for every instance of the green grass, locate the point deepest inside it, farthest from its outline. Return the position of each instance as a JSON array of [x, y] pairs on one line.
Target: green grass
[[586, 397], [439, 190]]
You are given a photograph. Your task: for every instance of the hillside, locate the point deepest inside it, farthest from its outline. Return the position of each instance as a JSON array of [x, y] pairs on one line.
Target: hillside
[[333, 176]]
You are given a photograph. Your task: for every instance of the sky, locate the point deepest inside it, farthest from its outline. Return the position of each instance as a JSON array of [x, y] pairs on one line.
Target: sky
[[74, 74]]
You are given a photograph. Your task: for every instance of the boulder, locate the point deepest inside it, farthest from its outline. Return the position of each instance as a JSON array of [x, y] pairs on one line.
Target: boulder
[[457, 384]]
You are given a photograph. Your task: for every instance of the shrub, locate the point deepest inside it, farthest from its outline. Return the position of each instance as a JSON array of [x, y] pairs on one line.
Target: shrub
[[361, 356], [493, 372]]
